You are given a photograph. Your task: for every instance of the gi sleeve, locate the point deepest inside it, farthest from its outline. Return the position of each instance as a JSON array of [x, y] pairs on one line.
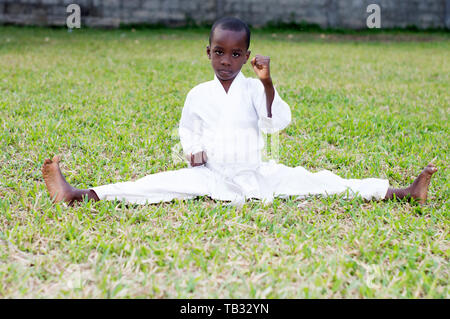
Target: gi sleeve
[[190, 127], [281, 112]]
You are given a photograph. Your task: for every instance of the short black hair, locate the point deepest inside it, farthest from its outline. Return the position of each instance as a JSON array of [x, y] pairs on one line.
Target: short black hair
[[231, 24]]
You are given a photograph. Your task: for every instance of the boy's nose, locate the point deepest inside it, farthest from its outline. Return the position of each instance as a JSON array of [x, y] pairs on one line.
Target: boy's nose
[[225, 62]]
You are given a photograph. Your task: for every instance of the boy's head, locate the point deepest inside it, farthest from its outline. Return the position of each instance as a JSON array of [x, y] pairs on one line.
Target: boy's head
[[229, 41]]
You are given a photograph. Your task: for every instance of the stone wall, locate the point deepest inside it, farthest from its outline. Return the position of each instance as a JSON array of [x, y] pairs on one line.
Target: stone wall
[[326, 13]]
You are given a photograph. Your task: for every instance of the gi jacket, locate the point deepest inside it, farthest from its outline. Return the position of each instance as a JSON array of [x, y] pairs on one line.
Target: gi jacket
[[229, 127]]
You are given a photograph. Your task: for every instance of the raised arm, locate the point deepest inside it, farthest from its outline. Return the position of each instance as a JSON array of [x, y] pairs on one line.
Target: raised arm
[[261, 66], [274, 114]]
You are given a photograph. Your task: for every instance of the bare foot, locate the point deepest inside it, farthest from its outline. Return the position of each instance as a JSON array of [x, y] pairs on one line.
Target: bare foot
[[57, 186], [419, 188]]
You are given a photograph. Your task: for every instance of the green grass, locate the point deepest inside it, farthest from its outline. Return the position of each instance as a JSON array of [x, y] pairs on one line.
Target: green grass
[[108, 101]]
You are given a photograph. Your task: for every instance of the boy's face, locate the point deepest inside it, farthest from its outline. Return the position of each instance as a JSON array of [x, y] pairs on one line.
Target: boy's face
[[228, 53]]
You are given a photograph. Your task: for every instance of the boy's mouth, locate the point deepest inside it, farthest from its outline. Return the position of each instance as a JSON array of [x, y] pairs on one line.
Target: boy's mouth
[[225, 73]]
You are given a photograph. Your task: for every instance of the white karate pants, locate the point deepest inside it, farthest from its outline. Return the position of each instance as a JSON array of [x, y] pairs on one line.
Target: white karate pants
[[269, 180]]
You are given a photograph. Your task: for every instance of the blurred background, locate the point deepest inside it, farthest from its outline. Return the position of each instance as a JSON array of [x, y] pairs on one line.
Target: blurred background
[[346, 14]]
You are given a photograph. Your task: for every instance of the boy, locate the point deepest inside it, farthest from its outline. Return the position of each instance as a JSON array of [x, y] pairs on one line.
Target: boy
[[220, 131]]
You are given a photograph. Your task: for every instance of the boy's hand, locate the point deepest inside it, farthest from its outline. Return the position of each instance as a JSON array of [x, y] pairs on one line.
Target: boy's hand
[[261, 67], [197, 159]]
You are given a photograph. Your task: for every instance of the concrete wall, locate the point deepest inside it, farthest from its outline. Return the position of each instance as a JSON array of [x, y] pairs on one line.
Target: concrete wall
[[326, 13]]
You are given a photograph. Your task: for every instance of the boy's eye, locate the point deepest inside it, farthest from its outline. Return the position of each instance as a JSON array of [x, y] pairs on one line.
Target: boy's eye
[[236, 54], [218, 52]]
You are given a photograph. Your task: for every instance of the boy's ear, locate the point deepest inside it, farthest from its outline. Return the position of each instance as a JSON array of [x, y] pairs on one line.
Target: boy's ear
[[208, 51], [247, 55]]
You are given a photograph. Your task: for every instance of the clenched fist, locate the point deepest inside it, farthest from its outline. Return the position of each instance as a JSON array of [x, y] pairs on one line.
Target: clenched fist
[[261, 66]]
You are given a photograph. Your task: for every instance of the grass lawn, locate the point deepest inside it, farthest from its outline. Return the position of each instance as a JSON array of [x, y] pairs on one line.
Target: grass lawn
[[370, 105]]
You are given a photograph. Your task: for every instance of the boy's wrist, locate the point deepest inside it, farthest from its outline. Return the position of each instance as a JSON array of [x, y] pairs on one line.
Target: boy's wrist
[[267, 82], [270, 93]]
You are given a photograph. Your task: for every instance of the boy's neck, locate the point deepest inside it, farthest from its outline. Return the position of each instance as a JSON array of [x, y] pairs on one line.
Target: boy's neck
[[227, 84]]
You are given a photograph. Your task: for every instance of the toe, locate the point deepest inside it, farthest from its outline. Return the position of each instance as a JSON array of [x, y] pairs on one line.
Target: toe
[[47, 161], [431, 169], [56, 158]]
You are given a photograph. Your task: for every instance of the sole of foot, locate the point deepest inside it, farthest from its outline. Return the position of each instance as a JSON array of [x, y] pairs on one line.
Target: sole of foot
[[55, 182], [420, 186]]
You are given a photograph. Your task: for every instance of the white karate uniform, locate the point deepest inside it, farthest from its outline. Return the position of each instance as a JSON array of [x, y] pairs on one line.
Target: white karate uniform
[[229, 127]]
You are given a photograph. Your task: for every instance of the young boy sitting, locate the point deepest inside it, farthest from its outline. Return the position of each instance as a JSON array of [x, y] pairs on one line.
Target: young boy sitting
[[221, 133]]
